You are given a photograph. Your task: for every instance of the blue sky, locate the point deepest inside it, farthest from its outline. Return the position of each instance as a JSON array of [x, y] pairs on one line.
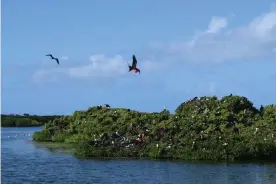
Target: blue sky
[[184, 49]]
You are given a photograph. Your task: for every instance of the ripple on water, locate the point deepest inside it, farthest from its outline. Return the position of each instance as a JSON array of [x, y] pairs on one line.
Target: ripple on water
[[24, 162]]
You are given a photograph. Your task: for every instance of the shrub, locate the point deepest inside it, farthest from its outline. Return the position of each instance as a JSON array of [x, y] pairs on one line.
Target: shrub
[[205, 128]]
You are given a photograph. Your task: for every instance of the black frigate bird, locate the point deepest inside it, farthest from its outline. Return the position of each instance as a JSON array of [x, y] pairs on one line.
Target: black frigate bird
[[53, 58], [134, 64], [261, 109], [106, 105]]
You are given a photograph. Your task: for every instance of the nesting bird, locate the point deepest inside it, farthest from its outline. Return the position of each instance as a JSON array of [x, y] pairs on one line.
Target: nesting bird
[[106, 105], [261, 109]]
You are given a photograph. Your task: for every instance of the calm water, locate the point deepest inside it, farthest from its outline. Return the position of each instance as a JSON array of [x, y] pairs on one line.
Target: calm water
[[24, 162]]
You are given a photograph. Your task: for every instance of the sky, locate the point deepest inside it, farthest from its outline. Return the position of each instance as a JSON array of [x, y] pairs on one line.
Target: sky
[[184, 49]]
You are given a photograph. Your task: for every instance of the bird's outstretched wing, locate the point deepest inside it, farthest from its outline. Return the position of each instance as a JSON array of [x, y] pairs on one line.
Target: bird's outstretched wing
[[57, 60], [134, 61], [50, 55]]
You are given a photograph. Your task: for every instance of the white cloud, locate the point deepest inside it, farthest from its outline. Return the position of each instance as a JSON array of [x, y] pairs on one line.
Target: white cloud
[[217, 43], [220, 43], [64, 58], [216, 24], [100, 66]]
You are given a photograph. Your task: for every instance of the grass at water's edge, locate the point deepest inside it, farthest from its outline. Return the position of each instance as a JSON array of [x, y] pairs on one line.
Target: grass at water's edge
[[54, 144], [57, 147], [70, 148], [67, 148]]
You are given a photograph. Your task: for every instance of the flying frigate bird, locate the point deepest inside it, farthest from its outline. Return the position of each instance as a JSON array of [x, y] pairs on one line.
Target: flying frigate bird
[[53, 58], [134, 64]]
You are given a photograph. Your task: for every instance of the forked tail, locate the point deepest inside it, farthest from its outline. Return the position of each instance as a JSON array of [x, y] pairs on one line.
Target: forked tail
[[129, 68]]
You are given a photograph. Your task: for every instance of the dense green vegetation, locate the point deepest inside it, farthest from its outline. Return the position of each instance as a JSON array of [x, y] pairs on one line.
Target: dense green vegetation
[[205, 128], [25, 120]]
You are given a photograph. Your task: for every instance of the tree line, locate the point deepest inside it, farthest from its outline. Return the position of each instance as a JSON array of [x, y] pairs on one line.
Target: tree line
[[17, 120]]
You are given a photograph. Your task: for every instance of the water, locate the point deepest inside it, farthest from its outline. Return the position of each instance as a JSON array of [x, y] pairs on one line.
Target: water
[[24, 162]]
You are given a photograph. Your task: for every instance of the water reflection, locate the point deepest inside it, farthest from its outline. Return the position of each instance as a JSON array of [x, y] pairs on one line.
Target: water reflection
[[53, 147], [24, 161]]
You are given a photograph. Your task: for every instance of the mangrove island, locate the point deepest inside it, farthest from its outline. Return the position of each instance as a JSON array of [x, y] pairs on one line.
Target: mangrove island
[[202, 128]]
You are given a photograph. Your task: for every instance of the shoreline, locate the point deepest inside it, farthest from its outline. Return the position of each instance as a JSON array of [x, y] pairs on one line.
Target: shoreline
[[58, 145]]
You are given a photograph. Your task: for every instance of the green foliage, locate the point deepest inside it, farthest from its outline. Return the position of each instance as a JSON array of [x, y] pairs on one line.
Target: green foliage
[[205, 128], [25, 120], [43, 136]]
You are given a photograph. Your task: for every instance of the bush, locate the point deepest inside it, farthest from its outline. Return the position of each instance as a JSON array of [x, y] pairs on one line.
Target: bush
[[43, 136], [205, 128]]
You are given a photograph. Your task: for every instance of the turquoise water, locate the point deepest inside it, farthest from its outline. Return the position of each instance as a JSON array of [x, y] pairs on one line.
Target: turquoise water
[[24, 162]]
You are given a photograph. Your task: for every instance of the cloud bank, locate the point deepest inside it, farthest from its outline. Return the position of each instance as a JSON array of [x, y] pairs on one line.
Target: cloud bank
[[218, 43], [99, 66]]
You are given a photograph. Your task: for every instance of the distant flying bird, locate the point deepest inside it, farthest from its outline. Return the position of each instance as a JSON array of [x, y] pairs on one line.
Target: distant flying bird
[[133, 67], [53, 58]]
